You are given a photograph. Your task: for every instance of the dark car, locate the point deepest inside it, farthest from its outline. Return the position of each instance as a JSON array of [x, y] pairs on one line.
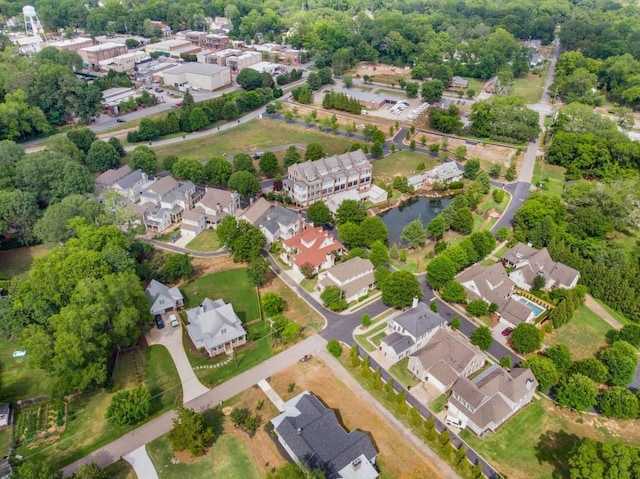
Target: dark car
[[120, 120], [507, 331], [159, 321]]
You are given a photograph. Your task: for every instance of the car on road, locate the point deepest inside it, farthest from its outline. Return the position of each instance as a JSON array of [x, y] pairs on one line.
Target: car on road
[[120, 120], [159, 321], [175, 237], [174, 321], [507, 331], [159, 90]]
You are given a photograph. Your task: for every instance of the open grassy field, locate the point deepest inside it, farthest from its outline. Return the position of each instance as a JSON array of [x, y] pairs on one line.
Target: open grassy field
[[585, 334], [19, 260], [548, 177], [227, 458], [254, 136], [205, 241], [232, 286], [19, 381], [401, 163], [87, 428], [529, 87], [297, 309]]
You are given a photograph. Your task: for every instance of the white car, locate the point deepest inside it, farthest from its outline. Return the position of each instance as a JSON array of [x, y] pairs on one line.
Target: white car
[[453, 421], [174, 321]]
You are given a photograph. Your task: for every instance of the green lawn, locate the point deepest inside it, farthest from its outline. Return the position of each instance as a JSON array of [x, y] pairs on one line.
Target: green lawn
[[19, 381], [616, 315], [309, 285], [489, 203], [585, 334], [226, 459], [87, 429], [476, 84], [253, 136], [205, 241], [362, 338], [378, 338], [401, 163], [19, 260], [402, 374], [549, 177], [120, 470], [529, 87], [410, 265], [437, 405], [232, 286]]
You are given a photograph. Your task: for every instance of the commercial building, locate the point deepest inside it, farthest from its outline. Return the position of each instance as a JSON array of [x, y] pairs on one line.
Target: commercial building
[[318, 180], [202, 76], [123, 63], [211, 41], [172, 48], [72, 44], [92, 56]]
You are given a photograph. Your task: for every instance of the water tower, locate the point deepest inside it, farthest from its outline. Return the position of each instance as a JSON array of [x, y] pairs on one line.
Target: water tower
[[32, 26]]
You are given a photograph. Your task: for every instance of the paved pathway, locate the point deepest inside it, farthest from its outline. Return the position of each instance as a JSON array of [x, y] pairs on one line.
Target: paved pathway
[[141, 463], [271, 394], [438, 464], [600, 311], [161, 425], [171, 338]]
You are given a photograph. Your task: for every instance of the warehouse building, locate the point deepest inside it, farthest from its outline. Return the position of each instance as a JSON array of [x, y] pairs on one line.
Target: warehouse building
[[198, 76]]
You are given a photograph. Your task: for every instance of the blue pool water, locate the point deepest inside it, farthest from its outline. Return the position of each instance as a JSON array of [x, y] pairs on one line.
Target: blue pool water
[[536, 308]]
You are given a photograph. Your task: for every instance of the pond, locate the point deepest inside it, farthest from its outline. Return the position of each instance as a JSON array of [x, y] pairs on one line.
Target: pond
[[423, 209]]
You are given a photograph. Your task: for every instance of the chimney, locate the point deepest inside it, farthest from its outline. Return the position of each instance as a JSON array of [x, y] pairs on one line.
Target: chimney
[[415, 302], [299, 431]]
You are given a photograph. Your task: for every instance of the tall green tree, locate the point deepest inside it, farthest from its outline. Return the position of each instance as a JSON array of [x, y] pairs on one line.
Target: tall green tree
[[190, 433], [144, 158], [102, 156], [399, 288], [218, 171], [244, 183], [319, 213]]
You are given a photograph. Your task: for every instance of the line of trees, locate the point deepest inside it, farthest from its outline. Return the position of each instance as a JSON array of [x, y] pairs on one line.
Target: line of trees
[[342, 102]]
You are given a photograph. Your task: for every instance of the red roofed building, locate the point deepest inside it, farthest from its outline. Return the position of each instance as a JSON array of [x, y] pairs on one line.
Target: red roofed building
[[314, 246]]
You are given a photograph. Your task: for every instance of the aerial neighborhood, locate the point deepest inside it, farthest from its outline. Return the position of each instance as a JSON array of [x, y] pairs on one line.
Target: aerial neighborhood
[[308, 240]]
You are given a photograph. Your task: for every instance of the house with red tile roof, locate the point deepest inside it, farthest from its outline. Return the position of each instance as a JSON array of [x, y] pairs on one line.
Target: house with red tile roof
[[314, 246]]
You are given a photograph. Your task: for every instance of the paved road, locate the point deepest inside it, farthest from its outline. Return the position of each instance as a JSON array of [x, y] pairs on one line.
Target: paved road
[[161, 425]]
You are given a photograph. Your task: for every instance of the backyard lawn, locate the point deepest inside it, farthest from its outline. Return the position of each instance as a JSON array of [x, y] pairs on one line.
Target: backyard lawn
[[585, 334], [19, 260], [297, 309], [616, 315], [232, 286], [19, 381], [402, 374], [529, 87], [206, 241], [401, 163], [254, 136], [227, 459], [87, 429], [550, 177]]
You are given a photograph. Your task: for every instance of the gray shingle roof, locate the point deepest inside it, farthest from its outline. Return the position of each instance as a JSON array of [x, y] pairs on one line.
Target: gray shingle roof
[[214, 323], [419, 320], [398, 342], [161, 296]]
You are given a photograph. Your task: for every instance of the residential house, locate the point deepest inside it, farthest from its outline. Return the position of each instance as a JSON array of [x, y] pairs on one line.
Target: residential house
[[221, 24], [211, 209], [155, 219], [5, 414], [215, 326], [169, 200], [528, 263], [131, 185], [165, 30], [459, 82], [193, 222], [410, 330], [374, 195], [318, 180], [312, 436], [355, 277], [274, 221], [446, 357], [163, 298], [442, 174], [491, 398], [314, 247], [492, 285], [109, 177]]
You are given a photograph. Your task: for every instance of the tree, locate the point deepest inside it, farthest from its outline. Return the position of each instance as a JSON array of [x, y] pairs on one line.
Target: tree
[[144, 158], [576, 392], [190, 433], [189, 169], [129, 407], [477, 308], [440, 271], [629, 333], [218, 171], [319, 213], [505, 362], [176, 266], [351, 211], [454, 292], [347, 80], [333, 298], [462, 221], [373, 229], [455, 323], [437, 227], [379, 254], [539, 283], [592, 368], [621, 361], [272, 304], [504, 119], [34, 470], [314, 152], [90, 471], [244, 183], [432, 91], [471, 169], [411, 89], [257, 271], [249, 79], [544, 370], [243, 162], [399, 288], [334, 347], [54, 225], [243, 239], [269, 164], [618, 402], [83, 138], [291, 470], [526, 338], [365, 321], [482, 338], [560, 355], [461, 153], [414, 234], [102, 156], [291, 156]]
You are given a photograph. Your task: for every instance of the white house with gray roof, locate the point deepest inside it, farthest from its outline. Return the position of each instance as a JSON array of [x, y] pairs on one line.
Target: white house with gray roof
[[311, 434], [211, 209], [355, 277], [274, 221], [163, 298], [446, 357], [491, 398], [215, 326], [443, 174], [410, 330]]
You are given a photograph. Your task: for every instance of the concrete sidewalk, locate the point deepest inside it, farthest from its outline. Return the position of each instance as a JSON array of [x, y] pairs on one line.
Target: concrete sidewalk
[[141, 463], [271, 394]]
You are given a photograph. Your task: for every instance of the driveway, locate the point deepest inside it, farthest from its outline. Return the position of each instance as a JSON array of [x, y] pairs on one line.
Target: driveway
[[141, 463], [171, 338]]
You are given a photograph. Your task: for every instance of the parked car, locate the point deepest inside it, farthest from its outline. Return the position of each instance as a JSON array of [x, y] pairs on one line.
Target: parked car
[[159, 321], [175, 238], [174, 321], [453, 421], [507, 331], [120, 120]]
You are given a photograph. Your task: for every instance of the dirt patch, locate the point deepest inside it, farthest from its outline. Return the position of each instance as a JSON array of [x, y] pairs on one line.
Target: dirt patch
[[380, 69], [185, 457], [206, 266], [397, 457]]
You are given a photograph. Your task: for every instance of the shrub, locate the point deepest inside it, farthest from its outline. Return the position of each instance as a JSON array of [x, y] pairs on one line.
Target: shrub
[[334, 347]]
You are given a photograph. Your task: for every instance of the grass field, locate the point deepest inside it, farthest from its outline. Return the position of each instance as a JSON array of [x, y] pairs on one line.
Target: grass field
[[232, 286], [227, 458], [120, 470], [437, 405], [19, 381], [549, 177], [476, 84], [19, 260], [529, 87], [205, 241], [585, 334], [87, 429], [401, 163], [616, 315], [402, 374], [253, 136], [297, 309], [362, 338]]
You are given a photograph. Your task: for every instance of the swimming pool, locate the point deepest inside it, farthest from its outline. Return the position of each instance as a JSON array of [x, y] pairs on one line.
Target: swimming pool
[[536, 308]]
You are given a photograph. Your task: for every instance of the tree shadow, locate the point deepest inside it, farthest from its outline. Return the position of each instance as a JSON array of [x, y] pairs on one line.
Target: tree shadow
[[555, 447], [214, 418]]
